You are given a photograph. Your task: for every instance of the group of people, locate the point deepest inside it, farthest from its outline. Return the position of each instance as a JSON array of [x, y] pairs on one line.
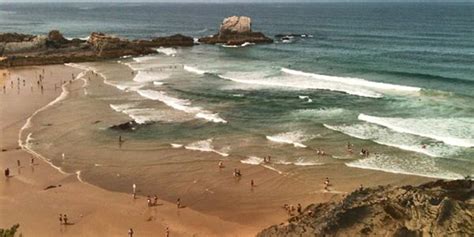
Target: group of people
[[63, 219], [151, 202], [363, 152], [237, 173]]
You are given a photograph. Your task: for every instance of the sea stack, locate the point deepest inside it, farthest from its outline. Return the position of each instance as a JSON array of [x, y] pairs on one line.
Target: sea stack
[[236, 30]]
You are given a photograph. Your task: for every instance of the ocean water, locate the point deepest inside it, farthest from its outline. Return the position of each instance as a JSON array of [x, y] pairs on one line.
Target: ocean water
[[394, 78]]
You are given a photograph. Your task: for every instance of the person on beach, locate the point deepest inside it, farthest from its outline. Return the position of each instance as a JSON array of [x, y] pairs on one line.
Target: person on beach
[[134, 191], [18, 163], [4, 89], [130, 232], [65, 219], [60, 219], [42, 89], [167, 232], [148, 201], [7, 172], [221, 164], [178, 203], [299, 208], [155, 200], [252, 184], [326, 184]]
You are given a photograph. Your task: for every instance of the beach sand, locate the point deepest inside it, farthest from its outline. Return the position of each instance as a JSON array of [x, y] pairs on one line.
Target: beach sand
[[228, 208]]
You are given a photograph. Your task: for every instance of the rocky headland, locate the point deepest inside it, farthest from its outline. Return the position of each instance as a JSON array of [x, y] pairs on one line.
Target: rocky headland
[[25, 49], [440, 208], [236, 30], [53, 48]]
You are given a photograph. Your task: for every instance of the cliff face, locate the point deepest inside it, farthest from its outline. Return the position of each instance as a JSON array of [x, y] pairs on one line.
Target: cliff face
[[438, 208], [236, 30]]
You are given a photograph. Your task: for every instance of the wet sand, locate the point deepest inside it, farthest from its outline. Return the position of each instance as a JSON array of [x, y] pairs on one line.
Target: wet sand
[[217, 203]]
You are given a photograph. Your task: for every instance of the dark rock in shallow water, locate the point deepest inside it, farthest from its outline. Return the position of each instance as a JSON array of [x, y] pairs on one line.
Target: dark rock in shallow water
[[128, 126], [389, 211], [236, 30]]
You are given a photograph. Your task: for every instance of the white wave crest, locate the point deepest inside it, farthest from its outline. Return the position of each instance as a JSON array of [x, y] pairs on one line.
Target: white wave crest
[[452, 131], [294, 138], [351, 81], [296, 83], [387, 137], [167, 51], [252, 160], [411, 166], [182, 105], [205, 146], [150, 76], [194, 70]]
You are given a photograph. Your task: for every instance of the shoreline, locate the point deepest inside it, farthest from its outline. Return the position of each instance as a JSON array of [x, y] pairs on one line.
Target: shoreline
[[21, 191], [225, 227]]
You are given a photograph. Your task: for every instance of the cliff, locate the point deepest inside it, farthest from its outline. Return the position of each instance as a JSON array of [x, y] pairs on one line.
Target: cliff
[[441, 208]]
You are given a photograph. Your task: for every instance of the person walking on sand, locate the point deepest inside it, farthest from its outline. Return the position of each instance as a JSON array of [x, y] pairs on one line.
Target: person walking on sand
[[134, 190], [155, 200], [60, 219], [148, 200], [178, 203], [167, 232], [130, 232], [65, 219], [18, 163], [252, 184], [7, 172]]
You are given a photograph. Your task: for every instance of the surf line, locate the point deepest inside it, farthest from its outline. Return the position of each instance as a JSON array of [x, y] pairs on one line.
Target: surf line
[[24, 145]]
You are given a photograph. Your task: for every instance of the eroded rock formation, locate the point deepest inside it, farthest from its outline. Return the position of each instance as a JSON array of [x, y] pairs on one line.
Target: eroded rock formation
[[236, 30], [54, 48], [441, 208]]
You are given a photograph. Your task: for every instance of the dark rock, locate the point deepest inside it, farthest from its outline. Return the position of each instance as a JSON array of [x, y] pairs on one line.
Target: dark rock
[[128, 126]]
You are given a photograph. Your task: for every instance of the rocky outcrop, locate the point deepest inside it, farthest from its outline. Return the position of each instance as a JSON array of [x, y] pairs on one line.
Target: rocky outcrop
[[177, 40], [236, 30], [54, 48], [441, 208]]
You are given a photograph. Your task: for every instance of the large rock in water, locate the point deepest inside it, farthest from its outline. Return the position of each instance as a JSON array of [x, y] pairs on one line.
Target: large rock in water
[[236, 24], [236, 30], [440, 208], [109, 46]]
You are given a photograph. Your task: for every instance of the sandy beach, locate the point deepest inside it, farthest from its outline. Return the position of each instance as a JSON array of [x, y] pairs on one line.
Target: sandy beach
[[93, 211]]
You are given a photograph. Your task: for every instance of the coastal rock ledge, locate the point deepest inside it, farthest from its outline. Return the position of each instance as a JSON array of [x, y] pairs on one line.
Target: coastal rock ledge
[[236, 30], [440, 208]]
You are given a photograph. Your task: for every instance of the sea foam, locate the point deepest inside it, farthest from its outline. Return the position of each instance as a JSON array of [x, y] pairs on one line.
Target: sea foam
[[452, 131], [294, 138], [182, 105], [205, 146], [411, 166]]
